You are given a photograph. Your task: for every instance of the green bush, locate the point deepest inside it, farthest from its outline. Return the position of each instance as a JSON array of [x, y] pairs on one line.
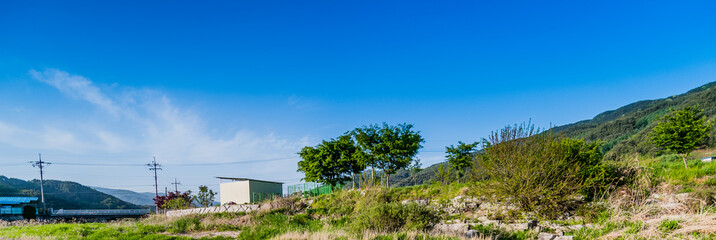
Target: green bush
[[542, 172], [710, 182], [393, 216], [274, 223]]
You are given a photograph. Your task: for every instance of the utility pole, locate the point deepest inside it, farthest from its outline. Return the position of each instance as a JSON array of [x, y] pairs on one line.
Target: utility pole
[[154, 166], [176, 183], [39, 163]]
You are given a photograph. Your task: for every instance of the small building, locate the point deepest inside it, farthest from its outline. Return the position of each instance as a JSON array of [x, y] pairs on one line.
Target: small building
[[245, 190], [707, 159], [17, 207]]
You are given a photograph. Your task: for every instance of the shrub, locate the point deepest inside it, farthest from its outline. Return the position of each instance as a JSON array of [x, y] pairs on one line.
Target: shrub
[[669, 225], [184, 224], [393, 216], [541, 171]]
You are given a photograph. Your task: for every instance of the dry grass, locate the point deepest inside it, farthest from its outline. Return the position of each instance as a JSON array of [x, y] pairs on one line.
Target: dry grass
[[329, 235]]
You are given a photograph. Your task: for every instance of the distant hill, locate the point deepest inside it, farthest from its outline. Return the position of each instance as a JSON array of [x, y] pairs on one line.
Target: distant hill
[[626, 129], [62, 194], [145, 198]]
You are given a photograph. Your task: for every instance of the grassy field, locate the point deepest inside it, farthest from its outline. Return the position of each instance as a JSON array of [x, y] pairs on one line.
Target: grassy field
[[663, 200]]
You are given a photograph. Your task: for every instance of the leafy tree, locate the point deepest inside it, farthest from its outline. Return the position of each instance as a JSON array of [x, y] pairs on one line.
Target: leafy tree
[[461, 157], [388, 148], [205, 197], [331, 162], [681, 131]]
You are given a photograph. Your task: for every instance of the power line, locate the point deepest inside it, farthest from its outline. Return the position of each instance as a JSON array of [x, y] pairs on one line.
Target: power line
[[97, 164], [171, 164], [13, 164], [230, 163]]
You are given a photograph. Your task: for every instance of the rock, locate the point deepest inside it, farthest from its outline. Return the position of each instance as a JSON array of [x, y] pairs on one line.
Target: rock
[[532, 224], [546, 236], [563, 238], [575, 227], [491, 222], [451, 228], [517, 227], [472, 234]]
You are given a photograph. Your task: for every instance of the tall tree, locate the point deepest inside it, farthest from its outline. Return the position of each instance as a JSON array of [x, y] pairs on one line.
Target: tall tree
[[205, 197], [331, 162], [461, 156], [388, 148], [681, 131]]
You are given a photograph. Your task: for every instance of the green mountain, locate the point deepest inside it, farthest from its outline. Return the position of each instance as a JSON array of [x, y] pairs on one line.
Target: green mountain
[[62, 194], [626, 130]]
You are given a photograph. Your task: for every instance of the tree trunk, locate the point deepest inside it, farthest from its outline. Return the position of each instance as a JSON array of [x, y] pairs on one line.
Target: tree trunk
[[372, 176], [387, 180], [685, 165], [353, 180]]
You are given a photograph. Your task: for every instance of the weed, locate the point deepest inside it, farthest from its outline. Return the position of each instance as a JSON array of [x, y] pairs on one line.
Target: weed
[[669, 225]]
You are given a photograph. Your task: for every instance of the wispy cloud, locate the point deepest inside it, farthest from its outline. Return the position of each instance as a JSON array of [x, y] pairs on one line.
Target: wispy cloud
[[75, 86], [145, 121], [300, 102]]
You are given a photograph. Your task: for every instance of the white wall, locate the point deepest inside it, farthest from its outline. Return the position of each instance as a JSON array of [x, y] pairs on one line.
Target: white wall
[[237, 192]]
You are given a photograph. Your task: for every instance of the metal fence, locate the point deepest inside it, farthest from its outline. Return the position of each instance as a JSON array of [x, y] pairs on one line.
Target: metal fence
[[257, 197], [311, 189], [102, 212]]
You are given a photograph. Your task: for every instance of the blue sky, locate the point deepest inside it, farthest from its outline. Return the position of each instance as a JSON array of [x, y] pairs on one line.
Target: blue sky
[[114, 84]]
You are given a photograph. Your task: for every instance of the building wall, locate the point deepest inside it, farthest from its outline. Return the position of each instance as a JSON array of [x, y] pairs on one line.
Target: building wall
[[266, 188], [237, 192]]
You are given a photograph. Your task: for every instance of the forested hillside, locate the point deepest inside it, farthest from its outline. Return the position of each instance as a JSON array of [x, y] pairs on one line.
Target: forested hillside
[[626, 129], [623, 131], [62, 194]]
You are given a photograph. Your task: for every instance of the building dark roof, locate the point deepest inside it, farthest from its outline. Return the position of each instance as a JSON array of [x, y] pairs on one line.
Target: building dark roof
[[16, 200], [247, 179]]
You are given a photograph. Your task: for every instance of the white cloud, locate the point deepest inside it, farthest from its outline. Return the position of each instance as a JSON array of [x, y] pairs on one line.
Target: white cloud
[[75, 86], [144, 121]]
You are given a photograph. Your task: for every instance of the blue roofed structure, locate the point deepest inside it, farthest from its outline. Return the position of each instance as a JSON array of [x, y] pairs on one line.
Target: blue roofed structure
[[16, 205], [16, 200]]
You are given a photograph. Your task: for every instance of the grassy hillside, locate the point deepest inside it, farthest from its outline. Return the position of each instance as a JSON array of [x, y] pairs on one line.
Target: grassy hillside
[[62, 194], [626, 129]]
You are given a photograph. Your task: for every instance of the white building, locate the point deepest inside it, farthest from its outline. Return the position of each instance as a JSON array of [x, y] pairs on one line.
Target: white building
[[244, 190]]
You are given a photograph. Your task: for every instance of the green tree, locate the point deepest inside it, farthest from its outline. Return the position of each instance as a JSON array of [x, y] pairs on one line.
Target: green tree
[[331, 162], [681, 131], [461, 157], [205, 197], [388, 148], [414, 169]]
